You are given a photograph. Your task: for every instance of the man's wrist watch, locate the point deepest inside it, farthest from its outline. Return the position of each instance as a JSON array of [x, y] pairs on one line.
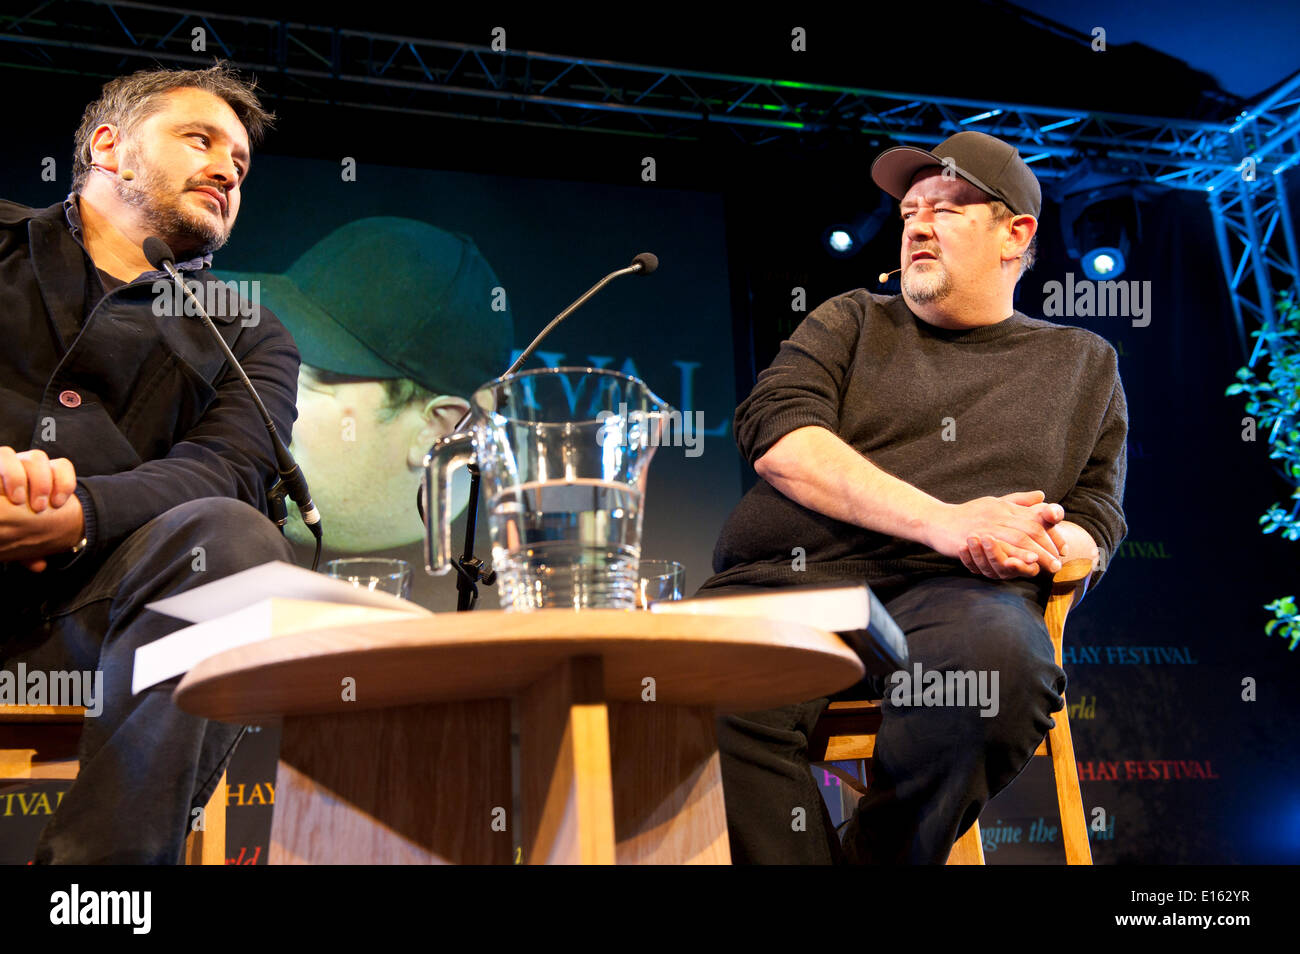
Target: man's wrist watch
[[74, 554]]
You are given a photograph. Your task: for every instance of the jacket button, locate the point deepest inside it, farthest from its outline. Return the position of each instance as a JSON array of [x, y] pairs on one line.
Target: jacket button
[[70, 399]]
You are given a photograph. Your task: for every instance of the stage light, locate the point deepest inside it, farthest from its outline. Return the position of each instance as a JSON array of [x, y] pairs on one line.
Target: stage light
[[846, 239], [1101, 227], [1103, 263], [840, 241]]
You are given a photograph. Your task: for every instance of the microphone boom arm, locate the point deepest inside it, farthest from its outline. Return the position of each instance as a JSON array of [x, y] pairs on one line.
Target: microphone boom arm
[[527, 352], [289, 472]]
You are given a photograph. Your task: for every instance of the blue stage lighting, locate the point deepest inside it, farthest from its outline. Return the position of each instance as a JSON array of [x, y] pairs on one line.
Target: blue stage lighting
[[847, 238], [840, 241], [1103, 263]]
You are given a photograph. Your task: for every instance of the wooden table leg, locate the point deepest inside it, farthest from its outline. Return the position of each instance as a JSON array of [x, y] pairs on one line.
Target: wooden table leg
[[564, 761], [422, 784], [668, 806]]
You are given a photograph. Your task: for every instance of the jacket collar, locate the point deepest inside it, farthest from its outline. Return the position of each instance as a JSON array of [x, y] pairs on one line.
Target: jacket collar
[[59, 264], [72, 213], [59, 260]]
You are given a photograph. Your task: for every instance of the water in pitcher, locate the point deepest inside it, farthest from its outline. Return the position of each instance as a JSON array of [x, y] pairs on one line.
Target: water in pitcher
[[567, 544]]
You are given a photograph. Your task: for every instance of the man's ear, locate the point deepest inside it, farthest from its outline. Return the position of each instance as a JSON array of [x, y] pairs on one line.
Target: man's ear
[[104, 146], [1020, 233], [440, 417]]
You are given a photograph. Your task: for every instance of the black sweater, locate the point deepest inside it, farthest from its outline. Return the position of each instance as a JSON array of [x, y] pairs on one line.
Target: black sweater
[[1025, 404]]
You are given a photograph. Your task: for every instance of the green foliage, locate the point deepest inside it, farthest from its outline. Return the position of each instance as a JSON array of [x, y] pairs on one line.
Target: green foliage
[[1274, 402], [1287, 618]]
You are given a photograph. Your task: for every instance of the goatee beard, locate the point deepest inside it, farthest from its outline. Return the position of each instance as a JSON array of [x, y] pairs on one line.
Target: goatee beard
[[925, 290], [187, 232]]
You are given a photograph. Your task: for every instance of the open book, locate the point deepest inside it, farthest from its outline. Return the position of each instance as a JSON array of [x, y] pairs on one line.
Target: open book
[[852, 611], [268, 600]]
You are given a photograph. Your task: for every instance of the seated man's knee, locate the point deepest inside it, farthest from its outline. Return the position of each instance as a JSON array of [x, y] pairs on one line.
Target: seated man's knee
[[228, 535], [1010, 637], [1028, 690], [1005, 663]]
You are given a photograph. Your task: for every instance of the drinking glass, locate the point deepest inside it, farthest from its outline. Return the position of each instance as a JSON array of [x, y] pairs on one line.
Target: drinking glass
[[378, 575], [659, 580]]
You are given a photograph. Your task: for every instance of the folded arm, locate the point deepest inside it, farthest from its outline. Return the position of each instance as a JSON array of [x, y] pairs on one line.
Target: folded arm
[[818, 470]]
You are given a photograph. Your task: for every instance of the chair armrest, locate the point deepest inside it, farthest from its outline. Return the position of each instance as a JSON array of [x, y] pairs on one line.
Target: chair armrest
[[1069, 584]]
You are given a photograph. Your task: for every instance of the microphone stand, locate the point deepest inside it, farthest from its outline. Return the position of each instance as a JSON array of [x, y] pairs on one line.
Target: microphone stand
[[470, 570], [276, 508]]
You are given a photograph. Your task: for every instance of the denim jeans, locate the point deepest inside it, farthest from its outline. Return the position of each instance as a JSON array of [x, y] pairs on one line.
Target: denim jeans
[[935, 766], [145, 765]]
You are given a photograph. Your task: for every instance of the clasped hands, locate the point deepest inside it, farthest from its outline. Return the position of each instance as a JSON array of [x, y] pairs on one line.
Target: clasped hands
[[1010, 536], [39, 513]]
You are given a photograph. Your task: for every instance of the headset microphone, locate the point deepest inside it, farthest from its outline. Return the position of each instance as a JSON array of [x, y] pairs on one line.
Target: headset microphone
[[127, 174], [884, 276]]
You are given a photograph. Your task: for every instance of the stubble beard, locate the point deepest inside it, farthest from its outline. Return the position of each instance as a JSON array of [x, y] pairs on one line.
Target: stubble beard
[[927, 287], [185, 230]]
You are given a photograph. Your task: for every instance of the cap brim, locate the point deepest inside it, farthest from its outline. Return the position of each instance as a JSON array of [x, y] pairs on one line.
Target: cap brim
[[322, 342], [894, 169]]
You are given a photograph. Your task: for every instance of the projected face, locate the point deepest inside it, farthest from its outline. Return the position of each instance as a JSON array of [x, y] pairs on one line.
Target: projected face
[[947, 244], [363, 459]]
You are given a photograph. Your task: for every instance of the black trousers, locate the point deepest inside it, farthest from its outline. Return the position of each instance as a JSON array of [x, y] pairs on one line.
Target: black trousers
[[935, 766], [145, 765]]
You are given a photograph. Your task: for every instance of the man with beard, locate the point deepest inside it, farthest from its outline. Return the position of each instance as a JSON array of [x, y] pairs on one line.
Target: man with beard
[[950, 452], [133, 463]]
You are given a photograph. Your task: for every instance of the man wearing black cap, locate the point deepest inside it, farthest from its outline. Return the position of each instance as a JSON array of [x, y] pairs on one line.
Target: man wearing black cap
[[950, 451], [398, 322]]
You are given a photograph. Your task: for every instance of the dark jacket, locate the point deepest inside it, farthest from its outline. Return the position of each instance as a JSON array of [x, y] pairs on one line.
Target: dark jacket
[[155, 418]]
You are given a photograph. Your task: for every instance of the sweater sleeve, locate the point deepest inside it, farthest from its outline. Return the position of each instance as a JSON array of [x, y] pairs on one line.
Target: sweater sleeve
[[802, 387], [1096, 500]]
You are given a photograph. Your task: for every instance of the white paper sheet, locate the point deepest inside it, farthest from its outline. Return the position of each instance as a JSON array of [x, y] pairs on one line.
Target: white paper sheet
[[277, 578], [181, 651]]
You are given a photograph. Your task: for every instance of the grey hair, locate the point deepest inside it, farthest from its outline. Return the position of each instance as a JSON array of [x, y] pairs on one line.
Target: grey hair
[[1000, 212], [127, 100]]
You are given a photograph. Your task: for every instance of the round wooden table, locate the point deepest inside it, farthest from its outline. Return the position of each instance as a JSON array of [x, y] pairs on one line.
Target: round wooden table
[[396, 741]]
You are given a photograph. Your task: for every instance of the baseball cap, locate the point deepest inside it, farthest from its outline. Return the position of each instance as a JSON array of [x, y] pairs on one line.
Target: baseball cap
[[987, 163], [387, 297]]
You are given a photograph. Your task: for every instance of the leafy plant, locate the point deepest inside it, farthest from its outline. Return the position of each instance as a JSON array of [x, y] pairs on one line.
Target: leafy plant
[[1287, 617], [1274, 401]]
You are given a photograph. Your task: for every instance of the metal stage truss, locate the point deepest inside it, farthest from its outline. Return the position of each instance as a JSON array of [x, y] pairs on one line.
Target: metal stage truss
[[1240, 164]]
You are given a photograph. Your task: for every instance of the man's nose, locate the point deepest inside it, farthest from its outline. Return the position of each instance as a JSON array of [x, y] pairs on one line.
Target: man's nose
[[224, 170], [920, 227]]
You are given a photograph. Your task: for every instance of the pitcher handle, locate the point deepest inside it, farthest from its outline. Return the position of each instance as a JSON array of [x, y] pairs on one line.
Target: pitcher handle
[[452, 451]]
